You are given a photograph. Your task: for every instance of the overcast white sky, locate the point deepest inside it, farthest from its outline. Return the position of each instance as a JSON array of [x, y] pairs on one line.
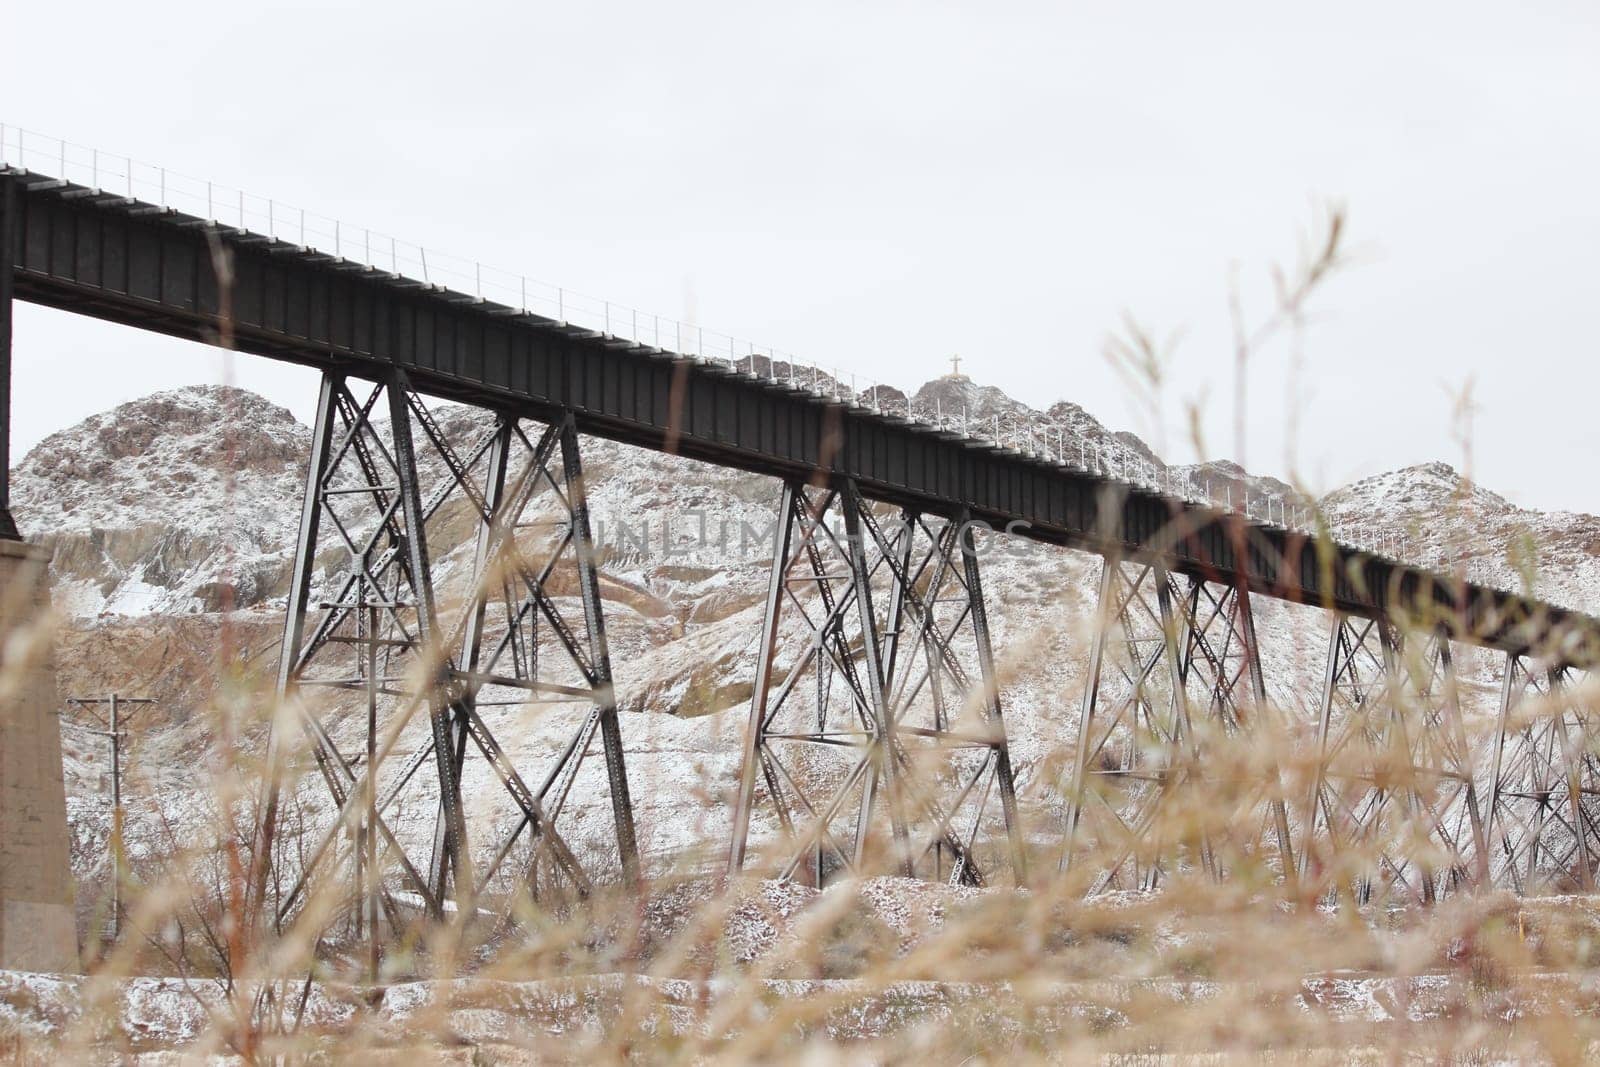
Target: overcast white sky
[[876, 186]]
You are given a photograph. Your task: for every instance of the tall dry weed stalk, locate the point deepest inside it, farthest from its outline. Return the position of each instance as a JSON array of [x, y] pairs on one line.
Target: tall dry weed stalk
[[1188, 937]]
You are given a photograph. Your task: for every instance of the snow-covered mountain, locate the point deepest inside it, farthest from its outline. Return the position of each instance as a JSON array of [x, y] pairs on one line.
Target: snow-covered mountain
[[184, 501], [167, 509], [169, 504], [1435, 518]]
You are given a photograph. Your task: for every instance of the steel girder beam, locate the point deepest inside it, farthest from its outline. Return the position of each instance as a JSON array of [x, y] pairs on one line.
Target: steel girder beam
[[99, 254], [376, 636], [1174, 684], [1393, 811], [876, 738], [1544, 795]]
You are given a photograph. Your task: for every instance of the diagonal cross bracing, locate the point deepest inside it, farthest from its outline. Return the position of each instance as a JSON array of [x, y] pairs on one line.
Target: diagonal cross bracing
[[1544, 785], [1393, 811], [406, 651], [875, 739], [1174, 684]]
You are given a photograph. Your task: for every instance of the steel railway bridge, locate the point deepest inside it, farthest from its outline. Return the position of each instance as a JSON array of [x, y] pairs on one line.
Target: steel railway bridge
[[875, 726]]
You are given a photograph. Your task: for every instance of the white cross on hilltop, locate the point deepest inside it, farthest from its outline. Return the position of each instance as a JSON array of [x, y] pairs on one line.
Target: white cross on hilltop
[[955, 368]]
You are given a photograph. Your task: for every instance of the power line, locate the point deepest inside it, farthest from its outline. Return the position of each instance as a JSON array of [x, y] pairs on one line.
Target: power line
[[112, 729]]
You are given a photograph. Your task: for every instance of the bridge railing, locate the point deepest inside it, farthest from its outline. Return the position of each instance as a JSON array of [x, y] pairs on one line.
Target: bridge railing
[[231, 206]]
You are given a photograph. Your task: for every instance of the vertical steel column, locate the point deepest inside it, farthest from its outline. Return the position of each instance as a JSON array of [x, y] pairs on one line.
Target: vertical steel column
[[783, 539], [885, 756], [900, 576], [305, 551], [1258, 693], [1458, 738], [1543, 791], [991, 695], [294, 624], [429, 641], [369, 831], [599, 652], [1390, 643], [1170, 628], [472, 640], [1496, 820], [1572, 754], [1324, 725], [10, 232], [903, 594], [1091, 691], [1176, 662]]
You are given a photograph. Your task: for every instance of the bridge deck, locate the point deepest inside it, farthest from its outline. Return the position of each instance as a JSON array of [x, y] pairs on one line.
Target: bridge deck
[[125, 261]]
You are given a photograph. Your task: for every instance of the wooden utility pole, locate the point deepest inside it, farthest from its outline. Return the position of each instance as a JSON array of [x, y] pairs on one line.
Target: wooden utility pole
[[112, 728]]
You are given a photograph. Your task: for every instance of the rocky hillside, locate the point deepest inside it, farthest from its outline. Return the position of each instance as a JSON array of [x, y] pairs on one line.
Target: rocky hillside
[[1429, 515], [167, 509], [174, 503], [184, 502]]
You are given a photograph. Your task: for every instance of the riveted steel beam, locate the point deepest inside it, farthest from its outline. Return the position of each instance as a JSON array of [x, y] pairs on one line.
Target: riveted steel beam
[[112, 258]]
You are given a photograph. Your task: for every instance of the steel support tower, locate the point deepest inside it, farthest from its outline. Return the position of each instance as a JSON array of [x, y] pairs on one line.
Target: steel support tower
[[876, 740], [1393, 812], [1544, 801], [1174, 682], [388, 681]]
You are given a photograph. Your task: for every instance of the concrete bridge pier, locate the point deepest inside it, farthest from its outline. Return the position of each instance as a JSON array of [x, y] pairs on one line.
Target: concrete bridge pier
[[38, 930], [37, 927]]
